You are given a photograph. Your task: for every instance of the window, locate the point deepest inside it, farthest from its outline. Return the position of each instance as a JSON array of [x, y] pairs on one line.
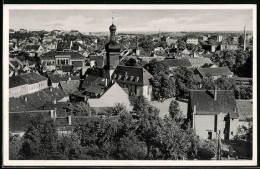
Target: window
[[210, 135], [231, 133]]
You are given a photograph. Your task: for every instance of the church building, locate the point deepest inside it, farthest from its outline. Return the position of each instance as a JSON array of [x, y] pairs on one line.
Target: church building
[[112, 54]]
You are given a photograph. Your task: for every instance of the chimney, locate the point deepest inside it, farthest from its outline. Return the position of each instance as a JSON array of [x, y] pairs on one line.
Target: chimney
[[54, 101], [245, 38], [215, 93], [69, 119], [26, 99], [50, 88], [85, 98]]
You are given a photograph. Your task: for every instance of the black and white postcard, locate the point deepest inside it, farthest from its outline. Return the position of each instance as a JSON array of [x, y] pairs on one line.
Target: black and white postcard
[[129, 85]]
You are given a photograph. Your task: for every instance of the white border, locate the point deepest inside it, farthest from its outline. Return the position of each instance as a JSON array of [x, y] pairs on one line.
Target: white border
[[7, 162]]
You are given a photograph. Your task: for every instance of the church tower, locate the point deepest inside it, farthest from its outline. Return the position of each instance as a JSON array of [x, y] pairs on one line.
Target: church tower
[[112, 53]]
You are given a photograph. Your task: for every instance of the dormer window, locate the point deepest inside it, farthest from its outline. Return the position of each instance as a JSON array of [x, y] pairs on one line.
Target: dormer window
[[131, 78], [126, 77], [137, 79], [119, 76]]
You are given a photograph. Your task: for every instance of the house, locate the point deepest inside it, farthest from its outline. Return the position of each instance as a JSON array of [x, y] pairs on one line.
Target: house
[[56, 59], [214, 73], [34, 50], [213, 113], [60, 108], [35, 82], [171, 40], [192, 39], [245, 111], [18, 86], [70, 86], [111, 96], [226, 46], [135, 79], [37, 100], [94, 86], [198, 62], [55, 79]]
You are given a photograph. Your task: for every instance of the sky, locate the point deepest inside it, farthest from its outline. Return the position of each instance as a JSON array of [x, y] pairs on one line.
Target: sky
[[168, 20]]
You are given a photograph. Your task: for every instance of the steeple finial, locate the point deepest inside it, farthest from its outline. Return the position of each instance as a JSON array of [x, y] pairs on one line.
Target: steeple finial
[[112, 17]]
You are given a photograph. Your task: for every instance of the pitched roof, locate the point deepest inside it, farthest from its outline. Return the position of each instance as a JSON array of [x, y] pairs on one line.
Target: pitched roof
[[177, 62], [56, 78], [35, 100], [56, 93], [197, 78], [70, 87], [15, 81], [98, 86], [206, 105], [67, 68], [77, 63], [199, 61], [15, 105], [60, 108], [216, 71], [19, 122], [244, 109], [88, 81], [15, 63], [32, 78], [135, 75]]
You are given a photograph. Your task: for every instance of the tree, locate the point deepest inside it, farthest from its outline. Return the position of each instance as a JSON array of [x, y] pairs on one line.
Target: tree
[[148, 127], [146, 43], [245, 132], [109, 138], [207, 149], [183, 81], [81, 109], [190, 46], [15, 143], [175, 112], [116, 110], [228, 59], [181, 45], [40, 140], [157, 67], [163, 86], [176, 143]]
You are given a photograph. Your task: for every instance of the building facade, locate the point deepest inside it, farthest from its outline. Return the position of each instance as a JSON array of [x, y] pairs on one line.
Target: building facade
[[135, 79], [213, 114]]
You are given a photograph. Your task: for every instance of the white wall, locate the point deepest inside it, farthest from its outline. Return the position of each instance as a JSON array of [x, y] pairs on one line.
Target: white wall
[[115, 94], [204, 124], [147, 92]]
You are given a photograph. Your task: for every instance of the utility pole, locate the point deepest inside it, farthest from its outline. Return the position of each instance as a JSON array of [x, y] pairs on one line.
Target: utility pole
[[219, 147], [245, 38]]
